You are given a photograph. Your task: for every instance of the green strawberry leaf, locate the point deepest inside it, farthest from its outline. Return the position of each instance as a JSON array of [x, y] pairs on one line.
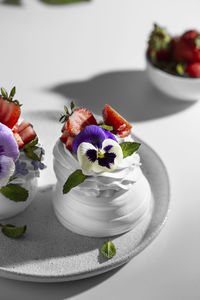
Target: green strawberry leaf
[[66, 110], [128, 148], [14, 192], [13, 231], [72, 105], [106, 127], [12, 93], [108, 249], [73, 180], [4, 93]]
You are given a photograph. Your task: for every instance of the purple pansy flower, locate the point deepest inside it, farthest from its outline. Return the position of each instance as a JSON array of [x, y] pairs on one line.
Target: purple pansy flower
[[92, 134], [97, 150], [9, 152]]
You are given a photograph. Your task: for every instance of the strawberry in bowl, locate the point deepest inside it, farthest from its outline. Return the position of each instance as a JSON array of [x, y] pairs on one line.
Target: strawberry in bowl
[[173, 63], [20, 158]]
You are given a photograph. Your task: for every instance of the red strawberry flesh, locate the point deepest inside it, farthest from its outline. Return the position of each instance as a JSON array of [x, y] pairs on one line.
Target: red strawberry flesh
[[112, 118], [9, 112], [27, 135], [80, 118]]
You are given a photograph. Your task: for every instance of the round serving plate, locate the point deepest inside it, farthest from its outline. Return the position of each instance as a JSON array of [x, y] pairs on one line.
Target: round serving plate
[[48, 252]]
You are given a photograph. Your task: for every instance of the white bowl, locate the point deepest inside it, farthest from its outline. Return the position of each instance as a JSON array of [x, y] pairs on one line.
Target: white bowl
[[181, 88]]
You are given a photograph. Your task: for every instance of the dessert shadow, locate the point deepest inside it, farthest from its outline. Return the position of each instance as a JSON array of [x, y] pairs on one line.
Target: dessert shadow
[[129, 92]]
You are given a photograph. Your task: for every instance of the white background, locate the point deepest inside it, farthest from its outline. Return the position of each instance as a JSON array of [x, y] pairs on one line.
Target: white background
[[94, 52]]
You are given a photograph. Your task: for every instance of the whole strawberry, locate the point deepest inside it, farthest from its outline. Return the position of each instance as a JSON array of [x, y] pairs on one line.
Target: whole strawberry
[[187, 47], [193, 69], [9, 109], [159, 44]]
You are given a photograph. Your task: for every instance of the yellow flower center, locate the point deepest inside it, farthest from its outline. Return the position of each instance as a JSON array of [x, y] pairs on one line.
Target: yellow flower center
[[100, 154]]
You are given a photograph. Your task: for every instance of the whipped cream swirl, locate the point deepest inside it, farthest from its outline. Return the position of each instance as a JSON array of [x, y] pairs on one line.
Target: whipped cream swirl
[[105, 184]]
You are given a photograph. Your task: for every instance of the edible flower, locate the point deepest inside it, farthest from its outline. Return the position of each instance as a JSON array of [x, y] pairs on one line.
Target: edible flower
[[97, 150], [9, 152]]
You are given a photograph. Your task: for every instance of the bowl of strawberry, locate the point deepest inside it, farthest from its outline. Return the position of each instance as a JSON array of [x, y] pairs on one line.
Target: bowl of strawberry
[[173, 63]]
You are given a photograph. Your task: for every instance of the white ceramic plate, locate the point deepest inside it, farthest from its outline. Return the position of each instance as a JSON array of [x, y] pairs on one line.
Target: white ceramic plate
[[50, 253]]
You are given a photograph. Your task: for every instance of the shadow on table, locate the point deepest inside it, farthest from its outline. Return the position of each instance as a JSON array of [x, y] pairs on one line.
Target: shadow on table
[[129, 92], [51, 291]]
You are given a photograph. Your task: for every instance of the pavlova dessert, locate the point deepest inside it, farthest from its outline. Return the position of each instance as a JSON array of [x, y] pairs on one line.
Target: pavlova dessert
[[101, 190], [20, 158]]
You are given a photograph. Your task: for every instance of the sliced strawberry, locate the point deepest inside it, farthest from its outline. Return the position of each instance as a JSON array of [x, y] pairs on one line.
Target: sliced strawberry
[[124, 133], [15, 128], [18, 140], [9, 112], [80, 118], [114, 119], [193, 70], [69, 142], [64, 136], [28, 134], [190, 35], [22, 126]]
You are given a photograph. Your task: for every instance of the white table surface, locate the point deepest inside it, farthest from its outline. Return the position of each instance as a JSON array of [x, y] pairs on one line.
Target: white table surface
[[94, 52]]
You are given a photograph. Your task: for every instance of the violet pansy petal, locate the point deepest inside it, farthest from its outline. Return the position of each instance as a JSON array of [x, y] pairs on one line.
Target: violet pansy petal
[[7, 168], [8, 144], [92, 134]]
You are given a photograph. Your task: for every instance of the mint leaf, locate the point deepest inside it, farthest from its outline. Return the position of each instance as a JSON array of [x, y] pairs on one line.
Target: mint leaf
[[106, 127], [32, 143], [108, 249], [30, 148], [32, 155], [14, 192], [73, 180], [128, 148], [13, 231]]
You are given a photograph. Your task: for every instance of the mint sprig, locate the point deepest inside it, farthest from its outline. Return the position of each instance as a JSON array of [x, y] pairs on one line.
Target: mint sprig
[[108, 249], [13, 231], [76, 178], [30, 148], [106, 127], [128, 148], [14, 192]]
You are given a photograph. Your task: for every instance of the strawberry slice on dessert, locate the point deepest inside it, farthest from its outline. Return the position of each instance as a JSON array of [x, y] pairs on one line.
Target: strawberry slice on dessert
[[112, 118], [80, 118], [75, 122], [23, 133], [9, 109]]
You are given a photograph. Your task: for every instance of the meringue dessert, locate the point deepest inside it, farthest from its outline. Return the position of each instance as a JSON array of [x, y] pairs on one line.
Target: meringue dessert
[[100, 190], [20, 158]]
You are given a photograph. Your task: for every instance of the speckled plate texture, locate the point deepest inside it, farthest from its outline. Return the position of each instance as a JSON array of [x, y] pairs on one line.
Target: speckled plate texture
[[48, 252]]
